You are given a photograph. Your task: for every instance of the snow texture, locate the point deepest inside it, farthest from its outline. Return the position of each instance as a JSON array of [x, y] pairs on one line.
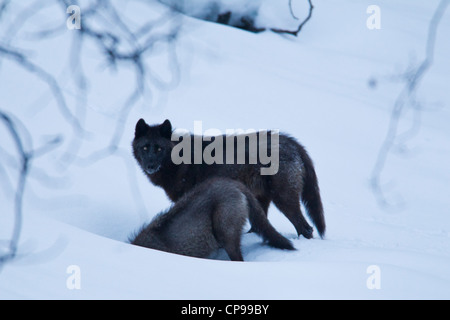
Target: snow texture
[[314, 87]]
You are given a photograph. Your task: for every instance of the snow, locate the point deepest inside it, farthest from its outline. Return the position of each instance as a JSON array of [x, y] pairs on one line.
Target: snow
[[314, 87]]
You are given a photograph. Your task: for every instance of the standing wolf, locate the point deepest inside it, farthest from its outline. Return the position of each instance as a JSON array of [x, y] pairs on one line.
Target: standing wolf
[[296, 178], [208, 217]]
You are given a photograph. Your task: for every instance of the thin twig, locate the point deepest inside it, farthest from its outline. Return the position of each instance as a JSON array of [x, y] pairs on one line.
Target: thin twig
[[407, 95], [296, 32], [52, 83], [121, 46], [18, 198], [292, 11]]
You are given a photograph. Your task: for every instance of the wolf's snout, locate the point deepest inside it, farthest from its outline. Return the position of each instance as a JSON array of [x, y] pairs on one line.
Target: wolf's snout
[[152, 168]]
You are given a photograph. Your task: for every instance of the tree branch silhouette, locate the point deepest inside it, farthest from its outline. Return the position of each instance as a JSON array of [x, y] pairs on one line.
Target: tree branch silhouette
[[121, 45], [301, 25], [24, 158], [406, 99]]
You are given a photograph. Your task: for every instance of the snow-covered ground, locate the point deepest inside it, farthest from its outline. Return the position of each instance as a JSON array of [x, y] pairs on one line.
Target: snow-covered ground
[[314, 87]]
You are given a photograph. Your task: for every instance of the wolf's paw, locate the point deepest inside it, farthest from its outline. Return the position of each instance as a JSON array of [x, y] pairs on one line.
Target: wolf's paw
[[307, 231]]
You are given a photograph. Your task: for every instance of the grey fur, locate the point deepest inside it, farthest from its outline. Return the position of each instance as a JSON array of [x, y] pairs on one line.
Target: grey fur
[[295, 179], [210, 216]]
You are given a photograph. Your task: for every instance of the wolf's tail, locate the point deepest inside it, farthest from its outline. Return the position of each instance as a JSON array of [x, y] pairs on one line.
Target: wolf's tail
[[311, 194], [261, 225]]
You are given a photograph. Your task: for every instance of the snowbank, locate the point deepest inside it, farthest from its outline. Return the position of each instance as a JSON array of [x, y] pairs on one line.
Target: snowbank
[[313, 87]]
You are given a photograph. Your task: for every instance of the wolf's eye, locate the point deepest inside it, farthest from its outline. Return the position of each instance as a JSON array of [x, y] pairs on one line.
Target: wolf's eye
[[145, 148], [158, 149]]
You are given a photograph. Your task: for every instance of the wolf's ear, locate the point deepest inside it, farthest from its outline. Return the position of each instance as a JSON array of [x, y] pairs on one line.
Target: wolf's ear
[[141, 128], [165, 129]]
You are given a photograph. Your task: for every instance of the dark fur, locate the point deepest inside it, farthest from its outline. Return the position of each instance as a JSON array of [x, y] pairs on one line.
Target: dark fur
[[296, 178], [208, 217]]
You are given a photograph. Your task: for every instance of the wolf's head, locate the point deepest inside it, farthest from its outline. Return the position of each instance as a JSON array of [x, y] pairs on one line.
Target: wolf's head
[[152, 145]]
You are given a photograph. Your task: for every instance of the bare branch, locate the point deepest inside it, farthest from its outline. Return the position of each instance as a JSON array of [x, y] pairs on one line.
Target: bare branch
[[25, 158], [25, 63], [296, 32], [405, 98], [292, 11]]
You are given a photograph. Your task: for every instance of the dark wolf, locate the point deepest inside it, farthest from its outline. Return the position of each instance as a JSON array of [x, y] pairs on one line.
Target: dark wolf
[[208, 217], [296, 178]]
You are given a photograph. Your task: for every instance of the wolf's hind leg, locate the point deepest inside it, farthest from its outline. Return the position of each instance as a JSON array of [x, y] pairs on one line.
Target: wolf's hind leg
[[234, 252], [227, 228], [230, 241], [264, 202], [289, 204]]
